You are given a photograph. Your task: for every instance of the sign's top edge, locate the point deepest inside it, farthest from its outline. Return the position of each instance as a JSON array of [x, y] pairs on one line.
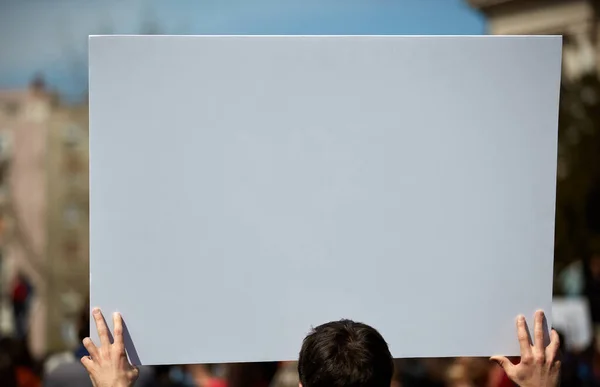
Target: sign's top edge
[[330, 36]]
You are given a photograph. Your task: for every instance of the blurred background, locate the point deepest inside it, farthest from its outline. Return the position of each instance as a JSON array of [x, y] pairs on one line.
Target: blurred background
[[44, 216]]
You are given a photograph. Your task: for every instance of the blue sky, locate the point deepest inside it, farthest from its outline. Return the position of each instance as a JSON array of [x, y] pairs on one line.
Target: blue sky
[[50, 36]]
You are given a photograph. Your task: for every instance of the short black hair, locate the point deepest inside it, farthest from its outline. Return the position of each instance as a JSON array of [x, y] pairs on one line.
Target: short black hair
[[345, 354]]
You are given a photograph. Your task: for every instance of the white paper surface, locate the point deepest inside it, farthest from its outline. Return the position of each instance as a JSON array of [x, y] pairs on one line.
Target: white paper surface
[[244, 189]]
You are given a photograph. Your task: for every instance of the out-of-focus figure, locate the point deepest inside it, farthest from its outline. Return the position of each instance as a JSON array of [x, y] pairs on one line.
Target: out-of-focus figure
[[251, 374], [17, 368], [204, 376], [420, 372], [572, 279], [24, 365], [56, 360], [8, 376], [469, 372], [20, 299], [162, 375], [571, 316], [476, 372], [286, 375]]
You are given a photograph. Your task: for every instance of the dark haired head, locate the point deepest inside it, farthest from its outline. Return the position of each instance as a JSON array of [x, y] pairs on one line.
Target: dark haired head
[[345, 354]]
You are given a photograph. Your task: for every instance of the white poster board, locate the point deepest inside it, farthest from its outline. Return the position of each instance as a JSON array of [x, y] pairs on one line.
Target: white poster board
[[244, 189]]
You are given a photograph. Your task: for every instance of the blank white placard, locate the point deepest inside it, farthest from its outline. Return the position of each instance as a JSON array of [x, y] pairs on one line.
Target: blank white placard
[[244, 189]]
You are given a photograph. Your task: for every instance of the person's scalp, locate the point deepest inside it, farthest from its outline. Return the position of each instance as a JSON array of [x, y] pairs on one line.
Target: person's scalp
[[345, 353]]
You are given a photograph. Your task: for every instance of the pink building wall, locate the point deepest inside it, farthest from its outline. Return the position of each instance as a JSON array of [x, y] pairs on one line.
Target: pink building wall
[[24, 250]]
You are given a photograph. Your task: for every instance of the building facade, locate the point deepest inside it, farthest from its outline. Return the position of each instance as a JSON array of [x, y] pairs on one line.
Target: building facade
[[576, 20], [43, 211], [67, 221]]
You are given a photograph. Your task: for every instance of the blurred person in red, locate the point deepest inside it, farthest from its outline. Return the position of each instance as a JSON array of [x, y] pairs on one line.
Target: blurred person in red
[[337, 354], [20, 296], [25, 367], [498, 377], [204, 377]]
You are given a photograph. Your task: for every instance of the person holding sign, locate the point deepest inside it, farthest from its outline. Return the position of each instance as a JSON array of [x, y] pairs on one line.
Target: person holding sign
[[336, 354]]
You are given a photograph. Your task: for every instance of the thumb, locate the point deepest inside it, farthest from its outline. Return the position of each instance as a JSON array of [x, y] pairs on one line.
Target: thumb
[[87, 363], [503, 362]]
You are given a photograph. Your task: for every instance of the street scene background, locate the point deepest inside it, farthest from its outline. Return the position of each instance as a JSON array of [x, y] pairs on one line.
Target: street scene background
[[44, 194]]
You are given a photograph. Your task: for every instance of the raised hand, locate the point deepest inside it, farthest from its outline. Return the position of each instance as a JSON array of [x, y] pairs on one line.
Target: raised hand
[[108, 365], [539, 366]]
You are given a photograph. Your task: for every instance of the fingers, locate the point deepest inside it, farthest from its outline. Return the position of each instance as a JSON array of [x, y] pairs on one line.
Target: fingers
[[538, 331], [118, 329], [557, 364], [101, 327], [90, 347], [87, 363], [554, 346], [523, 336], [503, 362]]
